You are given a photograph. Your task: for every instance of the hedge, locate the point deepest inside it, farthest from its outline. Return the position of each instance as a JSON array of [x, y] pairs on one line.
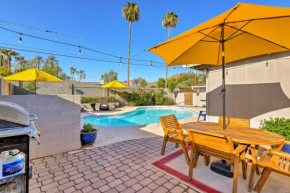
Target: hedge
[[277, 125], [95, 99]]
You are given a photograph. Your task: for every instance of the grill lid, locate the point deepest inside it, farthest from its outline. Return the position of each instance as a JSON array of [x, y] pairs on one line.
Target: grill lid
[[14, 113]]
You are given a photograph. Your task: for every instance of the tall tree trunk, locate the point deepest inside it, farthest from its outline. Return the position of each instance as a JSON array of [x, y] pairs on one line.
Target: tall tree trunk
[[9, 63], [1, 60], [195, 77], [166, 65], [128, 68]]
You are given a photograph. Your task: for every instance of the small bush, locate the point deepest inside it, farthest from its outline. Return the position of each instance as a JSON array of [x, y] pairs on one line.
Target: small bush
[[159, 97], [111, 98], [124, 94], [95, 99], [203, 106], [88, 128], [132, 103], [277, 125], [168, 101]]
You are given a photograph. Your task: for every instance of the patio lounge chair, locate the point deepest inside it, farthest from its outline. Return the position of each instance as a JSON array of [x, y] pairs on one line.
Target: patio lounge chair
[[276, 161], [104, 105], [214, 145], [171, 127]]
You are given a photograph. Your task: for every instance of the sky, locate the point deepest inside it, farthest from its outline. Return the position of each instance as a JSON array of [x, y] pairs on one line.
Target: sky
[[102, 23]]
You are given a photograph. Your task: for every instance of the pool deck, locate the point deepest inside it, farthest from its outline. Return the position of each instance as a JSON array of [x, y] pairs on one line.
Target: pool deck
[[108, 135]]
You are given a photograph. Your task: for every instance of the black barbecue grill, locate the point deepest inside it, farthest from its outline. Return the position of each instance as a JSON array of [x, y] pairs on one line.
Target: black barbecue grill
[[17, 126]]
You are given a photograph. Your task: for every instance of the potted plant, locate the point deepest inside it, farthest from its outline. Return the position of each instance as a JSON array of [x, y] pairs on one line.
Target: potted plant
[[88, 134]]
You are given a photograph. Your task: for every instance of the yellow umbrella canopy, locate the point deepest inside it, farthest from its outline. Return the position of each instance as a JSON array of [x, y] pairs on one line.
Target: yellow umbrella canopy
[[32, 74], [244, 31], [248, 30], [114, 84]]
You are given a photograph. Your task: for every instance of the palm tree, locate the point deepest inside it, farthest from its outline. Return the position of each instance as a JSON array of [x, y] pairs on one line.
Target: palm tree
[[169, 21], [131, 12], [82, 75], [2, 59], [39, 61], [21, 61], [72, 72], [52, 61], [8, 53]]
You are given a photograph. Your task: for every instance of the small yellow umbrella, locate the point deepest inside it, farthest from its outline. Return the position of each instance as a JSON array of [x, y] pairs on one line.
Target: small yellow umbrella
[[32, 74], [115, 84], [244, 31]]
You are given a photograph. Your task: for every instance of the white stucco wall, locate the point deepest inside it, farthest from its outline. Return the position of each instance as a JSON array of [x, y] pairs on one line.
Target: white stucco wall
[[273, 68], [179, 100]]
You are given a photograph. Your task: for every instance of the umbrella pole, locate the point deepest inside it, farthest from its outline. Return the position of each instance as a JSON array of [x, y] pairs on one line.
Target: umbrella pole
[[223, 76], [115, 98]]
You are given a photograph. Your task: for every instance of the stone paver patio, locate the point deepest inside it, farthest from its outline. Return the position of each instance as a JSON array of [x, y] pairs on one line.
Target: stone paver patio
[[117, 167]]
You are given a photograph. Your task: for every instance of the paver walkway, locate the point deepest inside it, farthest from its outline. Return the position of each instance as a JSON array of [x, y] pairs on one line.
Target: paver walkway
[[118, 167]]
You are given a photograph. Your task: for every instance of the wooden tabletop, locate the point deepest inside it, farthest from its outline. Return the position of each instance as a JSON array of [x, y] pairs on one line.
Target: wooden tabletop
[[242, 135]]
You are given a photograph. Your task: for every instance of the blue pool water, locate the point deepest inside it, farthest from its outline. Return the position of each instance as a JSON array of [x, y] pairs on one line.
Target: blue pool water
[[141, 116]]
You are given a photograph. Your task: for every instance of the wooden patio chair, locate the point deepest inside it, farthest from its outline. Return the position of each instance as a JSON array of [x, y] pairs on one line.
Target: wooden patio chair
[[173, 133], [273, 160], [217, 146], [247, 155], [235, 122]]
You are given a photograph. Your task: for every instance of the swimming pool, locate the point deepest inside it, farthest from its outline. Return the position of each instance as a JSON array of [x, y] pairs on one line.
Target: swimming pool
[[141, 116]]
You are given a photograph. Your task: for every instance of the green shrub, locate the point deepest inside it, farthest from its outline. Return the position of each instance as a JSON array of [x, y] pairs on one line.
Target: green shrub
[[124, 94], [132, 103], [168, 101], [203, 106], [159, 97], [111, 98], [87, 128], [139, 98], [277, 125], [95, 99]]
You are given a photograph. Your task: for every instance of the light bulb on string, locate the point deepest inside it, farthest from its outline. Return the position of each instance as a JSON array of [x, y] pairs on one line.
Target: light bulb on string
[[120, 60], [174, 68], [151, 64], [80, 51], [20, 39]]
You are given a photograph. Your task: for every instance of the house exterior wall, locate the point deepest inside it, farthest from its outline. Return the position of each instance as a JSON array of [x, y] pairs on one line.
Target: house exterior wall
[[257, 88], [199, 99], [58, 121]]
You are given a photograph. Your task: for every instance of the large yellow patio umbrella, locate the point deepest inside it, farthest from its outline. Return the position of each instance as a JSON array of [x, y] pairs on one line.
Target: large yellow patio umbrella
[[115, 84], [244, 31], [32, 74]]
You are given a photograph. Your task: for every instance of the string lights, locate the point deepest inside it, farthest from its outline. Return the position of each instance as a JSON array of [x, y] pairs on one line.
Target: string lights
[[80, 51], [151, 64], [120, 60], [20, 39]]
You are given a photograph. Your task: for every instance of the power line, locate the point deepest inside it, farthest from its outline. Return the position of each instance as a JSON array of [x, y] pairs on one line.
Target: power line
[[80, 57], [74, 45], [103, 71], [68, 35]]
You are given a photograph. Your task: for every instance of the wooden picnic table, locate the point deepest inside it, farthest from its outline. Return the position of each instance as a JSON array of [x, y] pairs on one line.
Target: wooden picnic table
[[250, 136]]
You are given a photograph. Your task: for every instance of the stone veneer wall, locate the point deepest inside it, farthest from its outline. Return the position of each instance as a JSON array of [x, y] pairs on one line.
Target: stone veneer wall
[[58, 121]]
